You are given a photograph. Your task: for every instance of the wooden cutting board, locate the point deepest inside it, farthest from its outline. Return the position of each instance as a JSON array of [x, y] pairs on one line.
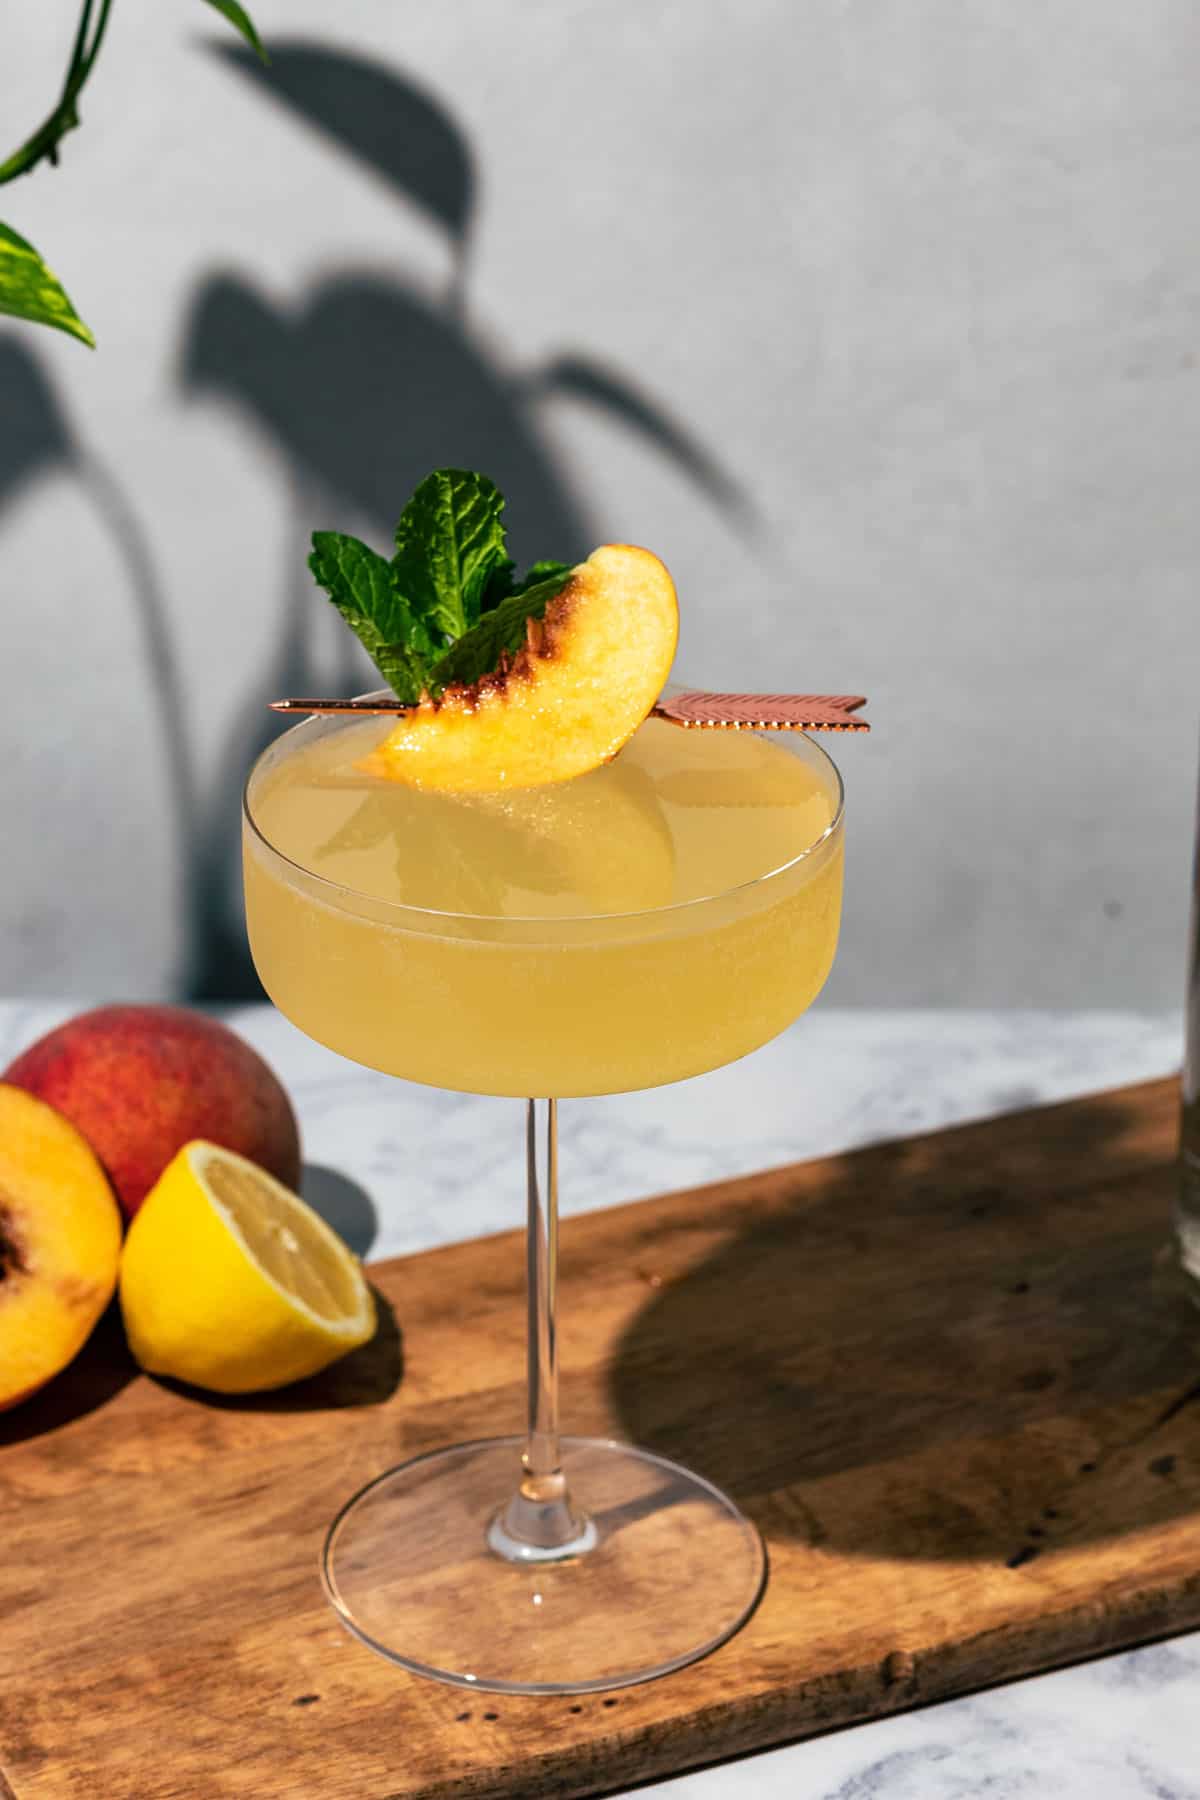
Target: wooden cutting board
[[950, 1378]]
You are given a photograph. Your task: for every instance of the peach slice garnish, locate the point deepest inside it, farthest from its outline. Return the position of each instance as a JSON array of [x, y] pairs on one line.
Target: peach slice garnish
[[589, 673]]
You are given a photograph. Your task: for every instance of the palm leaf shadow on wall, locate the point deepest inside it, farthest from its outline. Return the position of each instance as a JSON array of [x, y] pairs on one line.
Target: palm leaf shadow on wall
[[38, 441]]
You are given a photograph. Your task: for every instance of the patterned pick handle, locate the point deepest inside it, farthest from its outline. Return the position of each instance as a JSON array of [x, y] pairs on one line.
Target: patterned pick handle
[[763, 712]]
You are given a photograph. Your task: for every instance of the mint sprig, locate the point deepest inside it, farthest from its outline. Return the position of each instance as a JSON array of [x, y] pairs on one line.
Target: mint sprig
[[447, 607], [449, 541], [498, 632]]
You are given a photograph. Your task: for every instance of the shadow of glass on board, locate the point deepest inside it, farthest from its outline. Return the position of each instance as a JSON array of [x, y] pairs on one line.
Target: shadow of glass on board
[[937, 1353], [363, 382]]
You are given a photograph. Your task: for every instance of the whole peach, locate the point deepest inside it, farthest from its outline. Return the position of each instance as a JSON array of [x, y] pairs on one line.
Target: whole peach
[[139, 1082]]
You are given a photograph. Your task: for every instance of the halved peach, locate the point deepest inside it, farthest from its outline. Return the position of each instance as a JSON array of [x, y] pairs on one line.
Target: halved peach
[[60, 1239], [588, 675]]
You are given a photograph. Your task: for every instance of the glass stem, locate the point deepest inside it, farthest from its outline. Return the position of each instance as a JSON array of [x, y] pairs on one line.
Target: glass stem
[[540, 1522], [540, 1460]]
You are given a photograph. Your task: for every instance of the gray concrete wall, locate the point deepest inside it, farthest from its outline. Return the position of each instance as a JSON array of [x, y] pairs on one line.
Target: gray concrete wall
[[877, 321]]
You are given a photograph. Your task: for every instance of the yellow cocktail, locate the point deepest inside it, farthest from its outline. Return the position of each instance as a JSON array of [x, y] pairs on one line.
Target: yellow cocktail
[[652, 919]]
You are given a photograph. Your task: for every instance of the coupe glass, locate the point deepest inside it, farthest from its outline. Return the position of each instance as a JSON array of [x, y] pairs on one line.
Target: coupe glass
[[542, 1563]]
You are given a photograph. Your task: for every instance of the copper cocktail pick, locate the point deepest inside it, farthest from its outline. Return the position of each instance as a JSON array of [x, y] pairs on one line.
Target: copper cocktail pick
[[762, 712], [695, 708]]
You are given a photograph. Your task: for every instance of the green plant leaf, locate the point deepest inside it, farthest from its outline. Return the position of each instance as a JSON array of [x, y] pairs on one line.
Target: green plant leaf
[[29, 290], [449, 543], [479, 650], [241, 21], [361, 585]]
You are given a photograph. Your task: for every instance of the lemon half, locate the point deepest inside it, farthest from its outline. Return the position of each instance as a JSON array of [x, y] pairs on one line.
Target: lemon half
[[231, 1282]]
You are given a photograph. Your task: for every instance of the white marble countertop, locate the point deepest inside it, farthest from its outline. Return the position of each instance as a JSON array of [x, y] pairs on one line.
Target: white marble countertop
[[1126, 1727]]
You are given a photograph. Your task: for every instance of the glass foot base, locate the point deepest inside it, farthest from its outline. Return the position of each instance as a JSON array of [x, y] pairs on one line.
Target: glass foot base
[[667, 1569]]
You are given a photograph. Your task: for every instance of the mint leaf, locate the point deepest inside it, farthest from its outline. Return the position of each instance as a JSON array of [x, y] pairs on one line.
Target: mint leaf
[[479, 650], [405, 670], [241, 21], [501, 582], [447, 607], [360, 583], [449, 543], [539, 572], [29, 290], [500, 585]]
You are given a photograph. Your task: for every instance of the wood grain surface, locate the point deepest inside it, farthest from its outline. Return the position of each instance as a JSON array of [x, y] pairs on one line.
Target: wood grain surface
[[950, 1378]]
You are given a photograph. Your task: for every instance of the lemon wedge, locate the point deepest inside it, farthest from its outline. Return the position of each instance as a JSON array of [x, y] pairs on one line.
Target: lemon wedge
[[231, 1282]]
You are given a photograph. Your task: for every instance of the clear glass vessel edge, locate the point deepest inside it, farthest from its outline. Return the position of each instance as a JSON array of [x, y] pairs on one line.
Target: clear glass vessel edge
[[402, 912]]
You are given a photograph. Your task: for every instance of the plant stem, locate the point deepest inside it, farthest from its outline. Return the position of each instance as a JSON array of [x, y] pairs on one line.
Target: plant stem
[[43, 145]]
